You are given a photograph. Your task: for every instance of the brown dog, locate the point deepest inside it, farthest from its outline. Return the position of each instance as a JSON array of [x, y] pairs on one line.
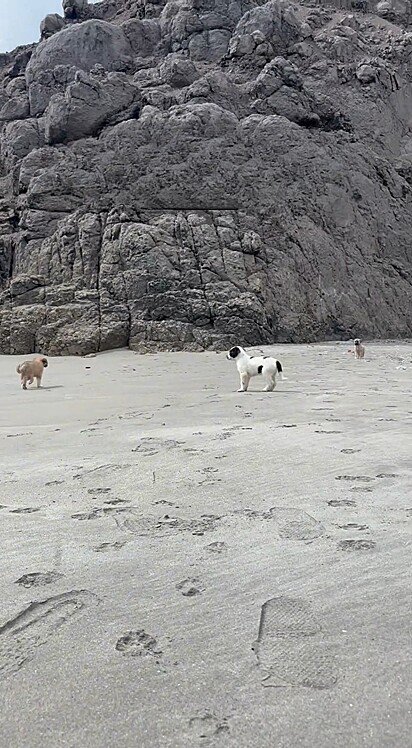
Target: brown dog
[[359, 349], [30, 370]]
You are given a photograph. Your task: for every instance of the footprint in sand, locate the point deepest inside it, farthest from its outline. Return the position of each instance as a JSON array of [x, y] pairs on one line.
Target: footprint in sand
[[216, 547], [353, 526], [115, 502], [327, 431], [103, 470], [139, 644], [106, 547], [94, 514], [39, 578], [99, 512], [25, 510], [251, 514], [163, 526], [294, 524], [205, 724], [190, 587], [357, 545], [22, 636], [239, 428], [151, 446], [27, 433], [360, 478], [209, 481], [341, 502], [290, 648]]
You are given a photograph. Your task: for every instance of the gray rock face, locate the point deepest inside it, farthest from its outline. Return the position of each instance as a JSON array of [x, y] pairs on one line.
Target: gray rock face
[[192, 174]]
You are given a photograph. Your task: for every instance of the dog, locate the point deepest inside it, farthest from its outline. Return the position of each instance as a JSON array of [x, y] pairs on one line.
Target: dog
[[252, 366], [32, 370], [359, 349]]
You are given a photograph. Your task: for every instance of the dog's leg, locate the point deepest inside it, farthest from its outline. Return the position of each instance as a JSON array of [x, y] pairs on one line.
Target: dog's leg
[[244, 382], [24, 383], [271, 384], [30, 381], [38, 380]]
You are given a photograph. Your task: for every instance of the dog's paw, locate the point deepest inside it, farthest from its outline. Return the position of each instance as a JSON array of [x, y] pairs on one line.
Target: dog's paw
[[242, 390]]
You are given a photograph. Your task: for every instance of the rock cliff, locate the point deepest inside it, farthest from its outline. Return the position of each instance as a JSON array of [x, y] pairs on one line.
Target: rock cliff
[[193, 173]]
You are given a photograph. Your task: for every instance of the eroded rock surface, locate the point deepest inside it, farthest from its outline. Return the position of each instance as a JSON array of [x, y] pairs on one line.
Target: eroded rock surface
[[193, 173]]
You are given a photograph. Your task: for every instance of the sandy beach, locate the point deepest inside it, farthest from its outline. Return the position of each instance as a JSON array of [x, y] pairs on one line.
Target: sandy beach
[[183, 565]]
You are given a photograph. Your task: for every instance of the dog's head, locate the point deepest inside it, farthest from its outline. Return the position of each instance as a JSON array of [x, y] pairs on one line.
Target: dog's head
[[357, 341], [44, 361], [234, 353]]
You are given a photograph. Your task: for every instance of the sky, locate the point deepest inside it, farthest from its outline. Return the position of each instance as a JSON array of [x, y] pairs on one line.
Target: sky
[[20, 20]]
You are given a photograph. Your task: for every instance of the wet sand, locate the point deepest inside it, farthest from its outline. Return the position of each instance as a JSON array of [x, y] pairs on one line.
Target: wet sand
[[183, 565]]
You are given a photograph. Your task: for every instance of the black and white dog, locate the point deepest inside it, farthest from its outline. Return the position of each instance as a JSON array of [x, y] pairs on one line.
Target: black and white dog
[[252, 366]]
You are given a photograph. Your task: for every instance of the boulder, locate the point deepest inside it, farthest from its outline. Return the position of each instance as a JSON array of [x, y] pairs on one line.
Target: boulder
[[50, 25], [18, 107], [80, 46], [75, 10], [86, 105]]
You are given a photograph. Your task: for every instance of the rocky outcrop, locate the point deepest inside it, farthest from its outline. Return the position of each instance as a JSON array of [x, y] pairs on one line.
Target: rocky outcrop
[[191, 173]]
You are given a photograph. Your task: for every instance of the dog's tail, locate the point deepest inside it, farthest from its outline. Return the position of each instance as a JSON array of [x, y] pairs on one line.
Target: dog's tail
[[280, 370], [18, 369]]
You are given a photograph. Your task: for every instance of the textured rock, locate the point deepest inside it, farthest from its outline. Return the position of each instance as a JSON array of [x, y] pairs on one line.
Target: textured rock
[[75, 10], [50, 25], [190, 173], [15, 108], [17, 140], [86, 105]]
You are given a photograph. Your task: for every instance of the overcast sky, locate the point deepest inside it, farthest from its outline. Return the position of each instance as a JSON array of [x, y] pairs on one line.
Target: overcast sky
[[20, 20]]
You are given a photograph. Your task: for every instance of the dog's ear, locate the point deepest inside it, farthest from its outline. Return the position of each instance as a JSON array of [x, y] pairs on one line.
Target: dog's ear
[[44, 362], [234, 352]]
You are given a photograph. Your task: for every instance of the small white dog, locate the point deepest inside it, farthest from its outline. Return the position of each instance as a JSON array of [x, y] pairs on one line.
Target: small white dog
[[252, 366], [359, 349]]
